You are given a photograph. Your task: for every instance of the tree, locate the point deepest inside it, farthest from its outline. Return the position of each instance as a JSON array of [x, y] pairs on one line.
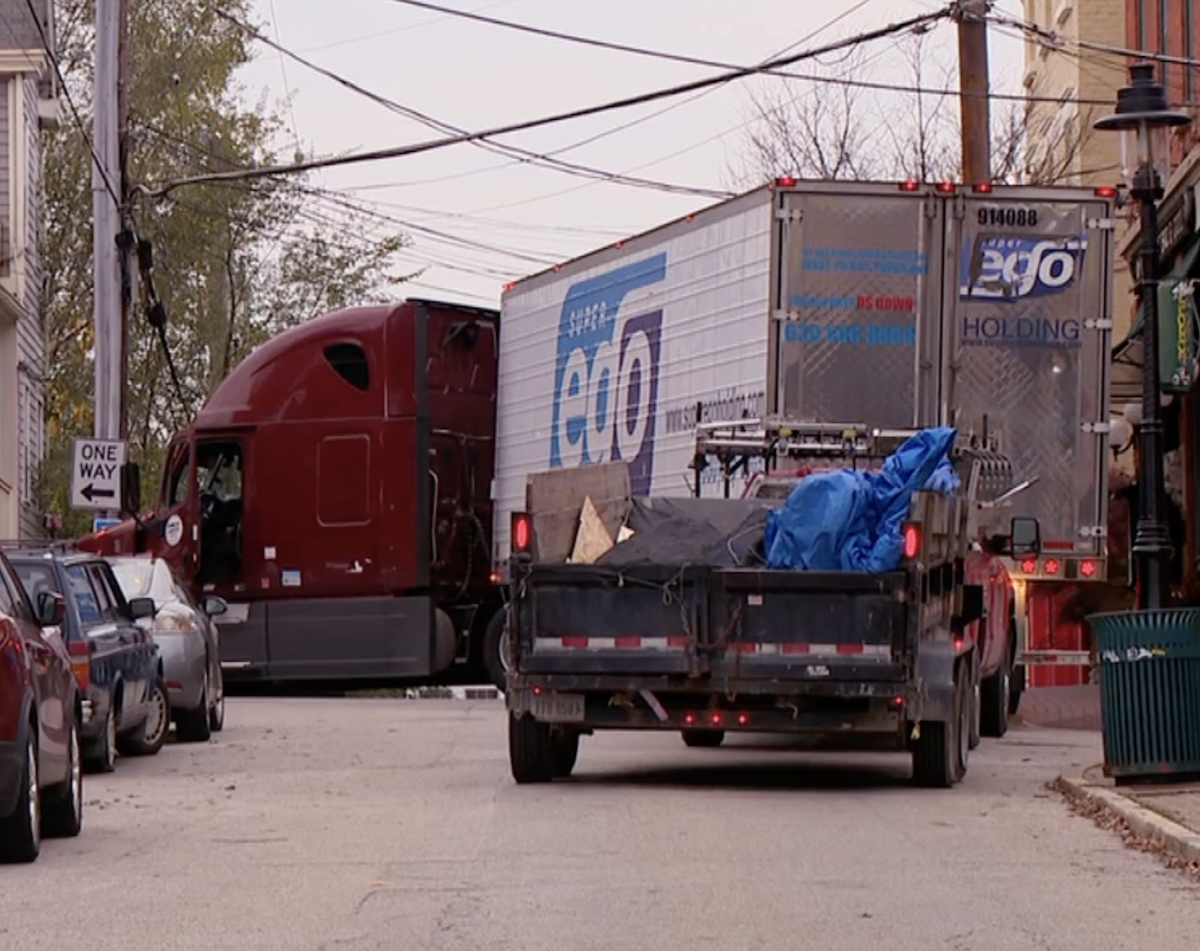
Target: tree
[[234, 263], [830, 128]]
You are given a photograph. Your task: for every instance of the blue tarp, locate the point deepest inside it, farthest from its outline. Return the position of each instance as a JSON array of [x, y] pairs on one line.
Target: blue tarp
[[847, 520]]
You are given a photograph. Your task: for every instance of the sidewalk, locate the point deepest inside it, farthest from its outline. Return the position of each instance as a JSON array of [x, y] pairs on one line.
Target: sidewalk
[[1063, 708], [1165, 818]]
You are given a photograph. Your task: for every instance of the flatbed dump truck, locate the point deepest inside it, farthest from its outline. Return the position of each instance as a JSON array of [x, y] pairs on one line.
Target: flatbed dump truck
[[709, 648]]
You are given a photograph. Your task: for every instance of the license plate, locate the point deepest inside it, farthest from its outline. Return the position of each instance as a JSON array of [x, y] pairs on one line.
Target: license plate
[[558, 707]]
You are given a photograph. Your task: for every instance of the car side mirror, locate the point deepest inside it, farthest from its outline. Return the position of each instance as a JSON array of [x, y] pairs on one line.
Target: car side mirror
[[214, 606], [1025, 537], [51, 608], [131, 489], [142, 608]]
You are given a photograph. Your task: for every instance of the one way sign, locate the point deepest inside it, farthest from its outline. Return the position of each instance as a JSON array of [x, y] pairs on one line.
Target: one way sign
[[96, 473]]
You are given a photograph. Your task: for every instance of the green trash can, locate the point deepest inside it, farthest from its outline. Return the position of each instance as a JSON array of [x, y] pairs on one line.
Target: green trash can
[[1149, 692]]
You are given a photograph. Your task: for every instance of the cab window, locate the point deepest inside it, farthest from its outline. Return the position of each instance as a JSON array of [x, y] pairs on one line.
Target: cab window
[[177, 479]]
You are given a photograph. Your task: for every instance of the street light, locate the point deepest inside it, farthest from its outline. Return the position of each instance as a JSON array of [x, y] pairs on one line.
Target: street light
[[1143, 118]]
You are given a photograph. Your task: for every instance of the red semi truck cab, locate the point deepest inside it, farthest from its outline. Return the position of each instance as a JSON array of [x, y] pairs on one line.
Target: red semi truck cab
[[335, 491]]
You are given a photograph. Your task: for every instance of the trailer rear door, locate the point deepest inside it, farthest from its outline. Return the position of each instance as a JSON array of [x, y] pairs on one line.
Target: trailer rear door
[[1026, 356], [855, 334]]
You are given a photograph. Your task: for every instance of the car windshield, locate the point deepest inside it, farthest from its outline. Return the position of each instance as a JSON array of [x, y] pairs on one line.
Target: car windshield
[[143, 578], [36, 579]]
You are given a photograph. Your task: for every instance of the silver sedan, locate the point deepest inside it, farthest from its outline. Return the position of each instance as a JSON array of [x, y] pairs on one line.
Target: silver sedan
[[188, 642]]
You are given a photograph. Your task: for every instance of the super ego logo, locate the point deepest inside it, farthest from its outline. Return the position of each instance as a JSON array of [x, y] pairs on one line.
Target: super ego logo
[[605, 397], [1003, 268]]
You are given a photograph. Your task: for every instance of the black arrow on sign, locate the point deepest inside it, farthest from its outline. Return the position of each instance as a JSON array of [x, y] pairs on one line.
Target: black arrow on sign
[[90, 492]]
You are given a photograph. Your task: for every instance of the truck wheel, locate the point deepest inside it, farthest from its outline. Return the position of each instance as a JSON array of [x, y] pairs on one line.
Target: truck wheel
[[530, 750], [976, 715], [495, 663], [703, 738], [940, 753], [564, 751], [996, 693]]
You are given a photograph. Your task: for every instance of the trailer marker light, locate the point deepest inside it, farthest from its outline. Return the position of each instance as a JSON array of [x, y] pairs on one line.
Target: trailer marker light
[[982, 187], [510, 285], [1052, 565], [958, 643], [1029, 565], [1087, 568], [743, 719], [897, 702], [909, 185], [945, 187], [787, 181], [1106, 191], [520, 532], [689, 718], [537, 689], [912, 540]]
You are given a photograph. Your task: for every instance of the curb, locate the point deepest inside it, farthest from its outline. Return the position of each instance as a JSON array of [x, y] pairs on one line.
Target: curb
[[1175, 838]]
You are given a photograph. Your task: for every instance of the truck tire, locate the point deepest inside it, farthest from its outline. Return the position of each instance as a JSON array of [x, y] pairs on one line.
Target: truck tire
[[494, 662], [530, 750], [976, 715], [564, 752], [940, 752], [704, 738], [996, 693]]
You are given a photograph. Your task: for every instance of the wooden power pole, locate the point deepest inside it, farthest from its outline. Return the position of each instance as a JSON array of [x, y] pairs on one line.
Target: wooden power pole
[[973, 90], [125, 239]]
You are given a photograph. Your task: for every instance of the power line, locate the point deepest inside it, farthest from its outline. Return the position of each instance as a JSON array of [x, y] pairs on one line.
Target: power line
[[1054, 41], [580, 113], [445, 127]]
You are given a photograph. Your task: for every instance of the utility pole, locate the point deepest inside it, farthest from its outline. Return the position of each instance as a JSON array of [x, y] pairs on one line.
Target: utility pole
[[125, 240], [975, 106], [106, 224]]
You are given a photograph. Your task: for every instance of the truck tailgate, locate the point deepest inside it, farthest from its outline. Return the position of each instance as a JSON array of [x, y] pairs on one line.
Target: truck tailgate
[[581, 619], [808, 625]]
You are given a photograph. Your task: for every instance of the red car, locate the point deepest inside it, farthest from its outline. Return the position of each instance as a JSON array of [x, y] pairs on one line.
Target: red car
[[41, 784]]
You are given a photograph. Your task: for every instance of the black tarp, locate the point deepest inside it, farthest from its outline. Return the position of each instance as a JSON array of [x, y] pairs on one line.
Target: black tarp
[[717, 533]]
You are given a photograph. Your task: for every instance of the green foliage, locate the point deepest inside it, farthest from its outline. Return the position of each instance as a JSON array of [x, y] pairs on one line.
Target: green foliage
[[234, 263]]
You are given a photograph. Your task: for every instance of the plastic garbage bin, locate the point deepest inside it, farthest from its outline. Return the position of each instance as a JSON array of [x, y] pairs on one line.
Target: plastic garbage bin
[[1149, 692]]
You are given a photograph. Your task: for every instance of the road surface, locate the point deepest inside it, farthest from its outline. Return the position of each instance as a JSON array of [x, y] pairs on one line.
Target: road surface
[[349, 825]]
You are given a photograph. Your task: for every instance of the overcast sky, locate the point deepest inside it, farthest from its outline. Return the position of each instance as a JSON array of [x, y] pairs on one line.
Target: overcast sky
[[497, 219]]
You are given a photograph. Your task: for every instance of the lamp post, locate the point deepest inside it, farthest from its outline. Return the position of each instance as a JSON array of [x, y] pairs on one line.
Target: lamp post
[[1143, 118]]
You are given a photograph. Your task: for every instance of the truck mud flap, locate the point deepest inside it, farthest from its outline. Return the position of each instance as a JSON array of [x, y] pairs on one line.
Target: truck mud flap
[[646, 620], [800, 625]]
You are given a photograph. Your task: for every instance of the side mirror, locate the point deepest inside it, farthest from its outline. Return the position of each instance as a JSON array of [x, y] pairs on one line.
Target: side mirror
[[142, 608], [131, 489], [51, 608], [214, 606], [1025, 537]]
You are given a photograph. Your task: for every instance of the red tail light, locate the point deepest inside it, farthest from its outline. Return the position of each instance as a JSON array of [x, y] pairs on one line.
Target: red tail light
[[1087, 568], [912, 540], [80, 653], [1029, 566], [522, 534], [787, 181], [1052, 565], [1106, 191]]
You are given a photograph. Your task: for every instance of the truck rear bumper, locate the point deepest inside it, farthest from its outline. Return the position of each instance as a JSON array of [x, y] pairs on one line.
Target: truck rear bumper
[[590, 703]]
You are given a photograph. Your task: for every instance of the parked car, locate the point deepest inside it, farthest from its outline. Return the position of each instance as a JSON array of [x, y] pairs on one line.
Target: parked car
[[117, 661], [188, 642], [41, 776]]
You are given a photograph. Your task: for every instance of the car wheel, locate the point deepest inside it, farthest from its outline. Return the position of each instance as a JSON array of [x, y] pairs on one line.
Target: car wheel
[[193, 726], [102, 758], [149, 738], [63, 816], [21, 833]]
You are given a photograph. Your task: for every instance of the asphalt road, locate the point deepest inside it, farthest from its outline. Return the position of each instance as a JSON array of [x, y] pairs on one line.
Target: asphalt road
[[380, 824]]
